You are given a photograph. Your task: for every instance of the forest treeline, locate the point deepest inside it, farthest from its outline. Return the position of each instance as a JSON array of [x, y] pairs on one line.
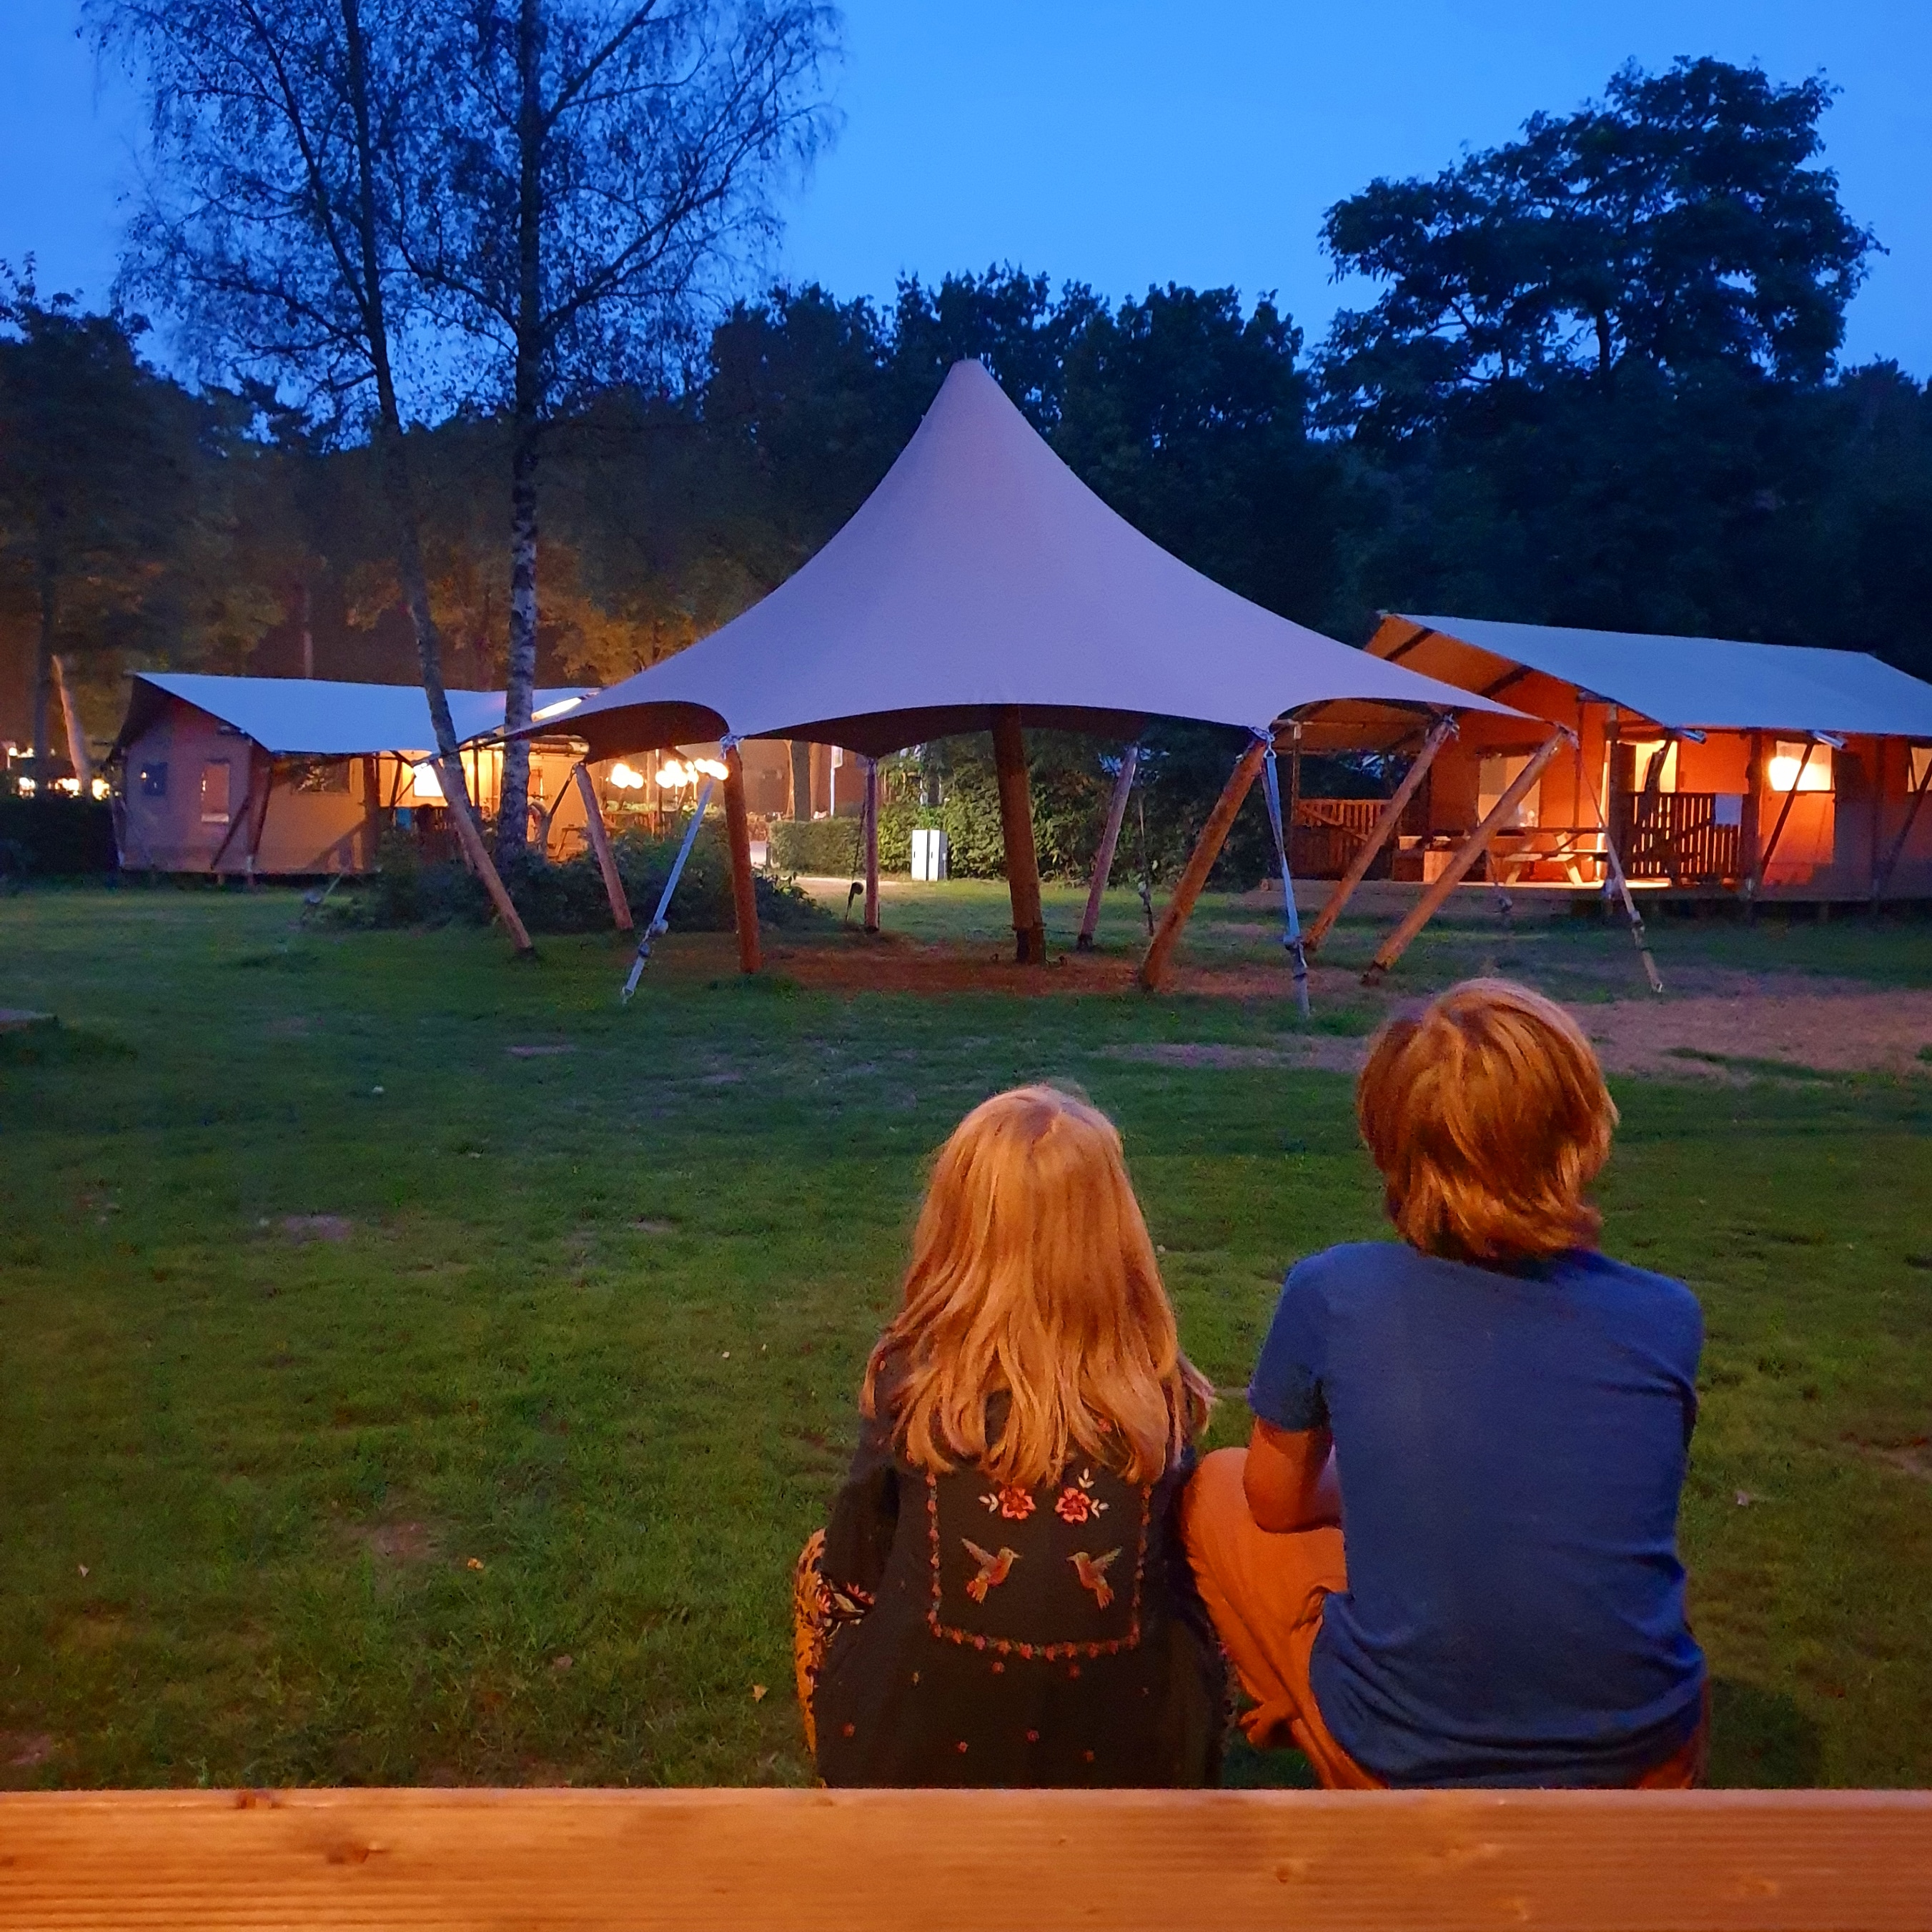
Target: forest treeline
[[1599, 384]]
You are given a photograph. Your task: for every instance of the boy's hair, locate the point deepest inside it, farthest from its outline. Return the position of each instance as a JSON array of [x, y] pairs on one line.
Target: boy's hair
[[1489, 1117], [1032, 1275]]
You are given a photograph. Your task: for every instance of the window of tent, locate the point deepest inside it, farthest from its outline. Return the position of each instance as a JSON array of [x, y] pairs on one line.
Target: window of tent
[[1644, 751], [1495, 775], [318, 775], [425, 787], [154, 780], [215, 776], [1791, 770], [1921, 764]]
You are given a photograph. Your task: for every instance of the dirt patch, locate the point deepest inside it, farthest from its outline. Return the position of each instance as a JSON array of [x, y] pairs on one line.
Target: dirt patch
[[305, 1228], [399, 1546], [1909, 1459], [1833, 1026], [1329, 1052], [538, 1052], [649, 1227]]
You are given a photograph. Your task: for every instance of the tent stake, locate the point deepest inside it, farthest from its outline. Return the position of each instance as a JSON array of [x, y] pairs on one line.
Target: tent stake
[[1384, 831], [1397, 943], [1110, 837], [744, 887], [1154, 971], [871, 835], [1016, 833], [600, 843]]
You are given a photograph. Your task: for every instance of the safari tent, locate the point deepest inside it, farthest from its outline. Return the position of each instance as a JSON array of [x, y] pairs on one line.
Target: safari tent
[[983, 587], [299, 776], [1714, 767]]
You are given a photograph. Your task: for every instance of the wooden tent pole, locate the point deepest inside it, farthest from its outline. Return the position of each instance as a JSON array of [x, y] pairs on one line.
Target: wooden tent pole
[[871, 810], [1397, 943], [456, 795], [1016, 833], [1154, 971], [1884, 877], [1770, 851], [744, 889], [1110, 837], [1384, 831], [595, 831]]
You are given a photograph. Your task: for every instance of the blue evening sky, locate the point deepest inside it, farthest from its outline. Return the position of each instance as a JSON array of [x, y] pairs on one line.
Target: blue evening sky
[[1125, 141]]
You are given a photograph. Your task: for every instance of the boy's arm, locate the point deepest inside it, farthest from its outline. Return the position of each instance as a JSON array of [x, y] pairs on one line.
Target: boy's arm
[[1289, 1480]]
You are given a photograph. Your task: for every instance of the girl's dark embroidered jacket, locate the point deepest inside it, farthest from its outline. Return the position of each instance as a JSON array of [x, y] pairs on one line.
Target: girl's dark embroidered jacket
[[984, 1636]]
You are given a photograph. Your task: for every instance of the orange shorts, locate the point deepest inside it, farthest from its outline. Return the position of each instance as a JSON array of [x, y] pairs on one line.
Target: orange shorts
[[1266, 1592]]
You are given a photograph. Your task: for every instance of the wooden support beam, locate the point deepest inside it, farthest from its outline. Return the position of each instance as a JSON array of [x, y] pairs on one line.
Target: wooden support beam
[[1154, 968], [1016, 832], [1397, 943], [744, 888], [776, 1860], [1110, 838], [450, 775], [600, 843], [1384, 831], [1770, 852], [1897, 852], [871, 835]]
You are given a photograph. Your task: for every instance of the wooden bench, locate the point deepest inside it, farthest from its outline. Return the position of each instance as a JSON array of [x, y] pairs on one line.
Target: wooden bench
[[968, 1862]]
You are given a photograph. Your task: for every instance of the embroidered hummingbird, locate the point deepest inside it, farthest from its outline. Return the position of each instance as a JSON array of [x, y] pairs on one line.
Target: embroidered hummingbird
[[994, 1570], [1092, 1571]]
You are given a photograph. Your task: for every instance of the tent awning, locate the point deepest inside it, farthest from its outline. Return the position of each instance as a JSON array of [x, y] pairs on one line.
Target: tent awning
[[983, 572], [292, 717], [1717, 684]]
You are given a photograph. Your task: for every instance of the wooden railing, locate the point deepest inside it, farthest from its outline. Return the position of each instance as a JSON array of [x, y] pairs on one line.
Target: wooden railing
[[1674, 835], [968, 1862], [1327, 833]]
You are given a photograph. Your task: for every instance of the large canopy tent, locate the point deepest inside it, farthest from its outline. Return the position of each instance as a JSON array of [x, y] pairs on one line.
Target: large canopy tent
[[982, 586]]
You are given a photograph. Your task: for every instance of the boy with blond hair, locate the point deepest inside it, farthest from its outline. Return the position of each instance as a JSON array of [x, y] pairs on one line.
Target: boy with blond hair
[[1448, 1554]]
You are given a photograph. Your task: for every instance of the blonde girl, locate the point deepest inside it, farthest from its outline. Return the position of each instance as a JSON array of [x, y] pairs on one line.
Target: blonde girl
[[1001, 1598]]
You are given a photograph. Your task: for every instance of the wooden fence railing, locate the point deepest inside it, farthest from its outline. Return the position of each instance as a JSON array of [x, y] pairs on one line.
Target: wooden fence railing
[[1327, 833], [1675, 836], [968, 1862]]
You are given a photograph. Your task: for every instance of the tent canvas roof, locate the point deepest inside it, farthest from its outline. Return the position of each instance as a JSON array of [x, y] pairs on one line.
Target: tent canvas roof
[[1684, 683], [983, 572], [292, 717]]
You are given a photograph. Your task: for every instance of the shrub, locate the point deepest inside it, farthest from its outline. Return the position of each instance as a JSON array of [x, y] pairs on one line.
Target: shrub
[[410, 890], [55, 836], [827, 847]]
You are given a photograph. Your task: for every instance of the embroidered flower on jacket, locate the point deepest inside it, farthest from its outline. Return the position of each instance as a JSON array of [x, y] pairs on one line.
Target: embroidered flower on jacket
[[1012, 1501], [1077, 1503]]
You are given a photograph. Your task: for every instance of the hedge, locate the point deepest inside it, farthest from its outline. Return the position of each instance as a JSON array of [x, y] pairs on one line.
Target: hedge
[[56, 836]]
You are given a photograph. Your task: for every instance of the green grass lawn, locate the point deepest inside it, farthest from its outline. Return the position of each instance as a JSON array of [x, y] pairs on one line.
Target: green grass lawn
[[379, 1403]]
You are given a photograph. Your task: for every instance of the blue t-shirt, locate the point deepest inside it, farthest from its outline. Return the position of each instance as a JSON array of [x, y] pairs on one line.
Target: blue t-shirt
[[1510, 1444]]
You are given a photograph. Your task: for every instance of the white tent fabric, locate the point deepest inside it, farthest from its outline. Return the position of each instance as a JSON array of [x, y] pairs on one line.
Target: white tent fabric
[[1716, 684], [983, 572], [291, 717]]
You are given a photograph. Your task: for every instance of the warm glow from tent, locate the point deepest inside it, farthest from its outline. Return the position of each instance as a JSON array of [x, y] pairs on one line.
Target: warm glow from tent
[[1789, 770], [625, 779], [425, 785], [556, 710]]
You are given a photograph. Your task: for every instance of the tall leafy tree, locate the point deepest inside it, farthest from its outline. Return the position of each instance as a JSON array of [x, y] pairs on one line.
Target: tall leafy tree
[[596, 162], [1683, 221]]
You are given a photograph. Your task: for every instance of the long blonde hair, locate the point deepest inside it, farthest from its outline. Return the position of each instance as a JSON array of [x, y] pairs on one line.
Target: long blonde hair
[[1032, 1274]]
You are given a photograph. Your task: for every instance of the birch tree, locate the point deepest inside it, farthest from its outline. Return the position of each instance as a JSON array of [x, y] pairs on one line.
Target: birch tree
[[599, 166]]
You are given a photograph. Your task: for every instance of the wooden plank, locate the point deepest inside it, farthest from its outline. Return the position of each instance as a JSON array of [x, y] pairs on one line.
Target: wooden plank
[[1397, 943], [1016, 833], [744, 888], [1110, 839], [600, 843], [456, 795], [968, 1862], [1154, 967], [1384, 830], [1898, 845]]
